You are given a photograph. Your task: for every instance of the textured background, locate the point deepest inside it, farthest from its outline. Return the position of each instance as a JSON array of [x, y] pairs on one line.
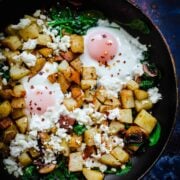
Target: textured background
[[166, 15]]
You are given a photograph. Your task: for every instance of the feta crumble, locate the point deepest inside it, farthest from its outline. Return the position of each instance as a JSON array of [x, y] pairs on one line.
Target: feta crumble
[[114, 114], [154, 95], [30, 44], [22, 24]]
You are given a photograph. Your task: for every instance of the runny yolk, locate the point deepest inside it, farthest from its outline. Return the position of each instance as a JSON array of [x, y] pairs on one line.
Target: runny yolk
[[39, 100], [102, 46]]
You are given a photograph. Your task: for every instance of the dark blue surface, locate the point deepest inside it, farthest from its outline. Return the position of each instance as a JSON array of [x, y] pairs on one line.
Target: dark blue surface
[[166, 15]]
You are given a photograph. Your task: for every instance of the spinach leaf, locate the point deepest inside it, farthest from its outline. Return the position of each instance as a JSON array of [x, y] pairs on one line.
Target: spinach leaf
[[79, 129], [138, 25], [30, 173], [155, 135]]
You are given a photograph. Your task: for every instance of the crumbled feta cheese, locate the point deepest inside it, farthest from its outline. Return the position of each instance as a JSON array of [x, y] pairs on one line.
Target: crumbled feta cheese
[[40, 22], [138, 70], [43, 17], [154, 95], [64, 43], [30, 44], [114, 114], [12, 167], [49, 156], [53, 46], [37, 13], [5, 68], [22, 24], [4, 81], [28, 58], [97, 139], [104, 128]]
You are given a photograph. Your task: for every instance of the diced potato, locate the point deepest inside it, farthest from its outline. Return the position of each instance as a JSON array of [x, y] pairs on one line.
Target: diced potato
[[133, 147], [88, 84], [126, 116], [70, 103], [4, 150], [47, 168], [64, 84], [19, 91], [89, 95], [132, 85], [115, 127], [5, 109], [77, 64], [105, 108], [10, 56], [127, 99], [53, 77], [140, 94], [89, 73], [31, 18], [75, 76], [22, 124], [9, 133], [101, 94], [66, 150], [18, 103], [17, 113], [29, 32], [40, 62], [144, 104], [17, 72], [5, 123], [12, 42], [6, 94], [146, 121], [10, 31], [92, 174], [112, 101], [109, 160], [76, 92], [89, 136], [77, 44], [75, 141], [120, 154], [43, 39], [33, 153], [75, 162], [97, 104], [68, 55], [25, 159], [46, 52], [44, 136]]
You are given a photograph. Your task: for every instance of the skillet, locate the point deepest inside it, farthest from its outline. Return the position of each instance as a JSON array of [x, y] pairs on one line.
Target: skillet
[[123, 11]]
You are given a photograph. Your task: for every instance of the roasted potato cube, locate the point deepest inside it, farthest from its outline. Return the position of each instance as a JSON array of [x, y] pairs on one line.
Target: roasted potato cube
[[132, 85], [105, 108], [89, 95], [5, 123], [126, 116], [5, 109], [146, 121], [70, 103], [75, 141], [17, 72], [112, 101], [89, 136], [66, 150], [77, 43], [9, 133], [76, 92], [88, 84], [127, 99], [68, 55], [75, 162], [25, 159], [4, 150], [43, 39], [10, 31], [115, 127], [120, 154], [65, 68], [140, 94], [64, 84], [75, 76], [46, 52], [101, 94], [40, 62], [144, 104], [92, 174], [6, 94], [33, 153], [12, 42], [89, 73], [17, 113], [22, 124], [97, 104], [29, 32], [53, 77], [10, 56], [18, 103], [109, 160], [77, 64], [19, 91]]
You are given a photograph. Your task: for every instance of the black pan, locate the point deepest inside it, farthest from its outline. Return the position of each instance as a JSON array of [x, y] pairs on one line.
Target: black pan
[[165, 110]]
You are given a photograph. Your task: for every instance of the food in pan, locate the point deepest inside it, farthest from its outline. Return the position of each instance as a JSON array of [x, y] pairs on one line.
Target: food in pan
[[76, 96]]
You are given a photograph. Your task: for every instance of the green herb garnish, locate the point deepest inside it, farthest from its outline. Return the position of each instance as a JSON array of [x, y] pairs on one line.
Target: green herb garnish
[[155, 135], [79, 129], [73, 22], [3, 72], [30, 173]]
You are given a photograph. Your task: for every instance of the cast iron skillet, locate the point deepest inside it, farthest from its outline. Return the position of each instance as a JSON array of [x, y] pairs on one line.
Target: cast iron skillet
[[165, 110]]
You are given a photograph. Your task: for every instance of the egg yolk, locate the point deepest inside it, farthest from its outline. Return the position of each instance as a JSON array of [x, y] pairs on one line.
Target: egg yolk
[[102, 46], [38, 100]]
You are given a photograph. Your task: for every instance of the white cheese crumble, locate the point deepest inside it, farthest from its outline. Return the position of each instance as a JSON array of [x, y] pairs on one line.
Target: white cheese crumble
[[37, 13], [97, 139], [114, 114], [30, 44], [154, 95], [22, 24], [138, 70], [4, 81], [49, 156], [64, 43]]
